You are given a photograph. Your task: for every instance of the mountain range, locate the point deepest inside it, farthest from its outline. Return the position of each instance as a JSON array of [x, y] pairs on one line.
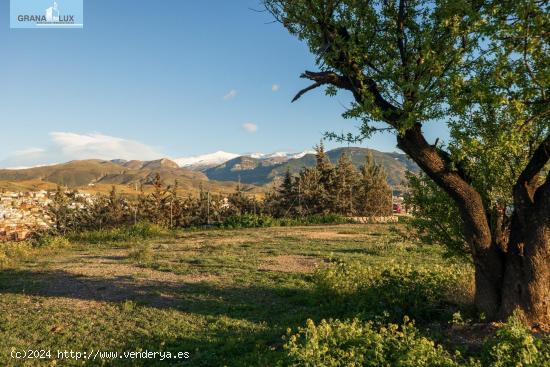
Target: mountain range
[[216, 171], [262, 170]]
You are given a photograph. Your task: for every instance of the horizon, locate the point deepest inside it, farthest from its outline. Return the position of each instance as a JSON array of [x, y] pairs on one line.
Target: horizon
[[131, 85], [200, 158]]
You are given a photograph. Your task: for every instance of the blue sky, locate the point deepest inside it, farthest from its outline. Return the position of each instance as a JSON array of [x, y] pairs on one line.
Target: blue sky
[[160, 78]]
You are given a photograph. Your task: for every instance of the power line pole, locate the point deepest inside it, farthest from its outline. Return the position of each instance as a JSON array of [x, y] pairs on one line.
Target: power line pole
[[171, 215], [208, 208]]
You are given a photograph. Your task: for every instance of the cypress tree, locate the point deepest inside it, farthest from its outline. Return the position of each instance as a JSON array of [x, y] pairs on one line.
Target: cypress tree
[[347, 178], [374, 196]]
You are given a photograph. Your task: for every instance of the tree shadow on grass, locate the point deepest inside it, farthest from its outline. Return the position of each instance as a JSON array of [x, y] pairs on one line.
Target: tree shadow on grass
[[250, 302], [226, 340]]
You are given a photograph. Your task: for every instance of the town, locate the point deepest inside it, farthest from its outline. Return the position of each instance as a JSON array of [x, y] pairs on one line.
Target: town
[[23, 213]]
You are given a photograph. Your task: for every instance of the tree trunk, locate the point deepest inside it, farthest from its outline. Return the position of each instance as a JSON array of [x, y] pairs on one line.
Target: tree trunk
[[507, 277], [488, 266], [526, 283]]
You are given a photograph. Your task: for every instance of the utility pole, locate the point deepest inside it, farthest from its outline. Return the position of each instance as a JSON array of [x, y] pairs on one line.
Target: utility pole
[[171, 215], [300, 194], [208, 208]]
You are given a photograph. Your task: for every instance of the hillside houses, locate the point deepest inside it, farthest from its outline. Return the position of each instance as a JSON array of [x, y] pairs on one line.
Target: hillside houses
[[22, 213]]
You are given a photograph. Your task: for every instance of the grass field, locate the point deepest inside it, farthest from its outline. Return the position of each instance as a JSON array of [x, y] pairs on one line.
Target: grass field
[[225, 296]]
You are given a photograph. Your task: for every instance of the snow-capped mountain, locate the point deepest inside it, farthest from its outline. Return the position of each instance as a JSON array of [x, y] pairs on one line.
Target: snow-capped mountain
[[284, 155], [205, 161], [201, 162]]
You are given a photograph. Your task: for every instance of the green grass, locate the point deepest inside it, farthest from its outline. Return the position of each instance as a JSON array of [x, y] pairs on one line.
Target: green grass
[[225, 296]]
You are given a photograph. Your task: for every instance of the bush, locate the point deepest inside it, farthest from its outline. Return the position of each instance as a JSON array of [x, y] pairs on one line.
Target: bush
[[51, 241], [248, 221], [313, 220], [140, 231], [514, 345], [259, 221], [13, 251], [359, 343], [393, 292], [143, 254], [356, 343], [435, 217]]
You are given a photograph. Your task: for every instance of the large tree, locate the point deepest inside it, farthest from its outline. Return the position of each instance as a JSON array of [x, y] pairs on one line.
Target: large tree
[[482, 67]]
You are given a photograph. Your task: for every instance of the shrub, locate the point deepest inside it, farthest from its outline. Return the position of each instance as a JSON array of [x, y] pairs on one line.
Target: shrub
[[143, 230], [354, 343], [248, 221], [51, 241], [13, 251], [258, 221], [138, 231], [514, 345], [142, 254], [393, 292], [435, 217]]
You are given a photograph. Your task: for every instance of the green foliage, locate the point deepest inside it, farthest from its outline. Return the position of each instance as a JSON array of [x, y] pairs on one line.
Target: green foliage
[[13, 252], [248, 221], [10, 252], [259, 221], [514, 345], [51, 241], [139, 231], [409, 55], [435, 218], [355, 343], [360, 343], [143, 254], [391, 292], [314, 220], [373, 194]]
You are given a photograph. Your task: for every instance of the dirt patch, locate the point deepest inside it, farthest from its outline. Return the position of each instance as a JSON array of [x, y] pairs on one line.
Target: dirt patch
[[86, 277], [291, 264], [135, 273], [329, 235], [469, 337], [323, 233]]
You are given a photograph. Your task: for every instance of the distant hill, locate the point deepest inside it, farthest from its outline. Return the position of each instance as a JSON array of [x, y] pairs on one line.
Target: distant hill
[[256, 171], [89, 173]]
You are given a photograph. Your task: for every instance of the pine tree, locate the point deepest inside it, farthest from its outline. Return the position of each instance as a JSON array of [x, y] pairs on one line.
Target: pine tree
[[327, 176], [346, 181], [156, 203], [374, 196], [286, 196], [59, 211], [311, 192]]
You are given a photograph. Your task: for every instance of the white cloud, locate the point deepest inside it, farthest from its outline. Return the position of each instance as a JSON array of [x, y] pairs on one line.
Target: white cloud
[[250, 127], [66, 146], [230, 95], [85, 146], [275, 87]]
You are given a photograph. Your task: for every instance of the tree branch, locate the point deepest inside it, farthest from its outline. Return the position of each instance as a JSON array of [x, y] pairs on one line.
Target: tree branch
[[526, 184], [436, 166], [321, 78], [401, 33]]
